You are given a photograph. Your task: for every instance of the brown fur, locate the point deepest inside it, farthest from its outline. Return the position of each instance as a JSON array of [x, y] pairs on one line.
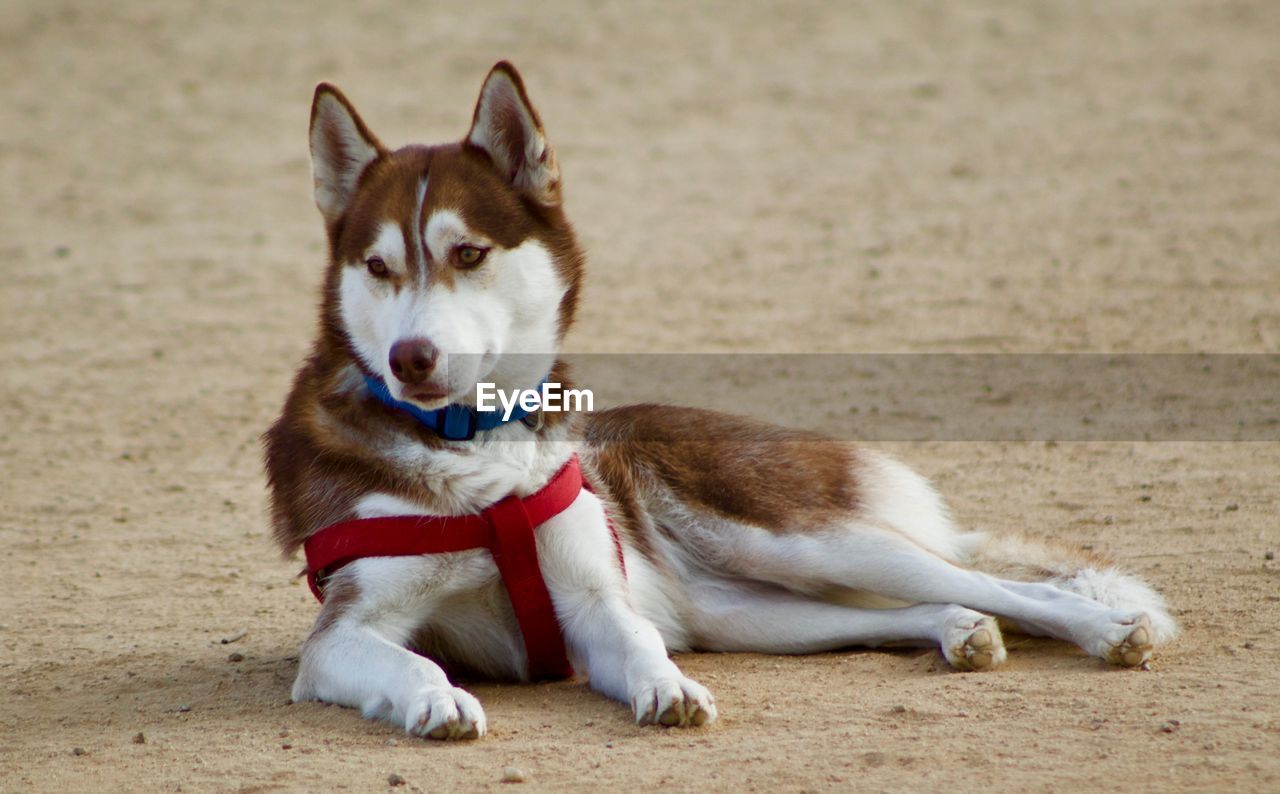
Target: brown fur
[[796, 481]]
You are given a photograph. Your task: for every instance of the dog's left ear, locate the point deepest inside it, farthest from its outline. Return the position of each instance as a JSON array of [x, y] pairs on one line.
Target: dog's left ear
[[341, 148], [508, 129]]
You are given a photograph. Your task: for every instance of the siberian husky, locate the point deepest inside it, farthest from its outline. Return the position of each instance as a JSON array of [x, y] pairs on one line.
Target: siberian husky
[[454, 265]]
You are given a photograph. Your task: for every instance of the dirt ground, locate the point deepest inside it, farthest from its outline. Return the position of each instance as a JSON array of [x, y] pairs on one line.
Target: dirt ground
[[800, 176]]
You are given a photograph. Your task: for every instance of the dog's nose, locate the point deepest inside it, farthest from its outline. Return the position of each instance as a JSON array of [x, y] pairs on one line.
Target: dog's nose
[[413, 359]]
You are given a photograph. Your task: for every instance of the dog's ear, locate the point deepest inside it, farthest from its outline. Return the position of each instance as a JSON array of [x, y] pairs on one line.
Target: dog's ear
[[341, 148], [508, 129]]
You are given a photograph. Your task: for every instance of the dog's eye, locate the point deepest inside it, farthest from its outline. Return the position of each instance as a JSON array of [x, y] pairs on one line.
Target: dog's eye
[[470, 255], [377, 267]]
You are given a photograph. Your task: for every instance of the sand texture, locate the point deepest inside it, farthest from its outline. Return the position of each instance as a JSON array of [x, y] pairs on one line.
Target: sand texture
[[746, 177]]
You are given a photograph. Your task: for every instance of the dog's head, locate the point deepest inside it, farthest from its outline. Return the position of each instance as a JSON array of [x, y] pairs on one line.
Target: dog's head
[[451, 264]]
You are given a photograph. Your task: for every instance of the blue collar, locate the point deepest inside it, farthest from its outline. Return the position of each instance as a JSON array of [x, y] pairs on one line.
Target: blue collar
[[453, 422]]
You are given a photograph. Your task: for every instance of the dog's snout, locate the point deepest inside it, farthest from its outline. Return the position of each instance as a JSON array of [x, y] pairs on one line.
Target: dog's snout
[[412, 360]]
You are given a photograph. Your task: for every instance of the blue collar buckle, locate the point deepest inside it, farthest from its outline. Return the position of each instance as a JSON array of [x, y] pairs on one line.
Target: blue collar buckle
[[457, 422]]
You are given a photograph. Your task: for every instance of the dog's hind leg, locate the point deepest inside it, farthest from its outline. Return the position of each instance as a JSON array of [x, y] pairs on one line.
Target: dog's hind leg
[[1128, 642], [884, 562], [1054, 572], [739, 616]]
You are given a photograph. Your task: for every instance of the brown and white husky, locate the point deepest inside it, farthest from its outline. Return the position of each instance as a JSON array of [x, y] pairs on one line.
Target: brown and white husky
[[735, 536]]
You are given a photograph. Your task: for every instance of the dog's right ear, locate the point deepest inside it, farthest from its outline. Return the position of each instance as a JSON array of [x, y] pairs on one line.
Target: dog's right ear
[[341, 148]]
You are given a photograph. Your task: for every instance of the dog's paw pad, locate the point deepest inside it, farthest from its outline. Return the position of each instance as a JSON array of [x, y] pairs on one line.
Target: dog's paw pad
[[445, 713], [974, 642], [678, 703], [1135, 645]]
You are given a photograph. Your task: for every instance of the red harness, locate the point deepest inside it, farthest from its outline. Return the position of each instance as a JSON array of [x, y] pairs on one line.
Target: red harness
[[505, 528]]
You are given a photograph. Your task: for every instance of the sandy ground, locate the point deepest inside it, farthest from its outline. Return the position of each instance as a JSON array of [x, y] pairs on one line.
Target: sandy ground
[[804, 177]]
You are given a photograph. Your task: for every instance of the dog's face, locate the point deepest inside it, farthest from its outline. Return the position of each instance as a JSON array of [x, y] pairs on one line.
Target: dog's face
[[450, 264]]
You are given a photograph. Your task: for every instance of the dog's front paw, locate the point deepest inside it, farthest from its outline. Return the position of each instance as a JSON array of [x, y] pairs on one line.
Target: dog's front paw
[[444, 712], [674, 702]]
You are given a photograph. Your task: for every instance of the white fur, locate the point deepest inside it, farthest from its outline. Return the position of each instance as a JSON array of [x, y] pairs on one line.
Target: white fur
[[495, 464], [381, 505], [1119, 589], [419, 244], [895, 496]]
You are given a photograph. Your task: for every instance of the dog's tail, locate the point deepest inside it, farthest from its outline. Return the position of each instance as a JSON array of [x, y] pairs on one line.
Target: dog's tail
[[1030, 559]]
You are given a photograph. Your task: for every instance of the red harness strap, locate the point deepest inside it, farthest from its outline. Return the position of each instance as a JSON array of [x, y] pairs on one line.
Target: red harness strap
[[505, 528]]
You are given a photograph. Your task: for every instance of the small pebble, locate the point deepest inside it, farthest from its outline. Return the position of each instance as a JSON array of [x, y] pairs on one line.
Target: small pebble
[[184, 708], [139, 738], [1170, 726], [1269, 555], [236, 657], [391, 742], [78, 751], [899, 709], [1231, 508], [512, 775], [394, 780], [286, 747]]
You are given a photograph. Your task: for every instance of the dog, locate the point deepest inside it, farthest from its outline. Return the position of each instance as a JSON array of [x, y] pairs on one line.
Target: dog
[[658, 528]]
